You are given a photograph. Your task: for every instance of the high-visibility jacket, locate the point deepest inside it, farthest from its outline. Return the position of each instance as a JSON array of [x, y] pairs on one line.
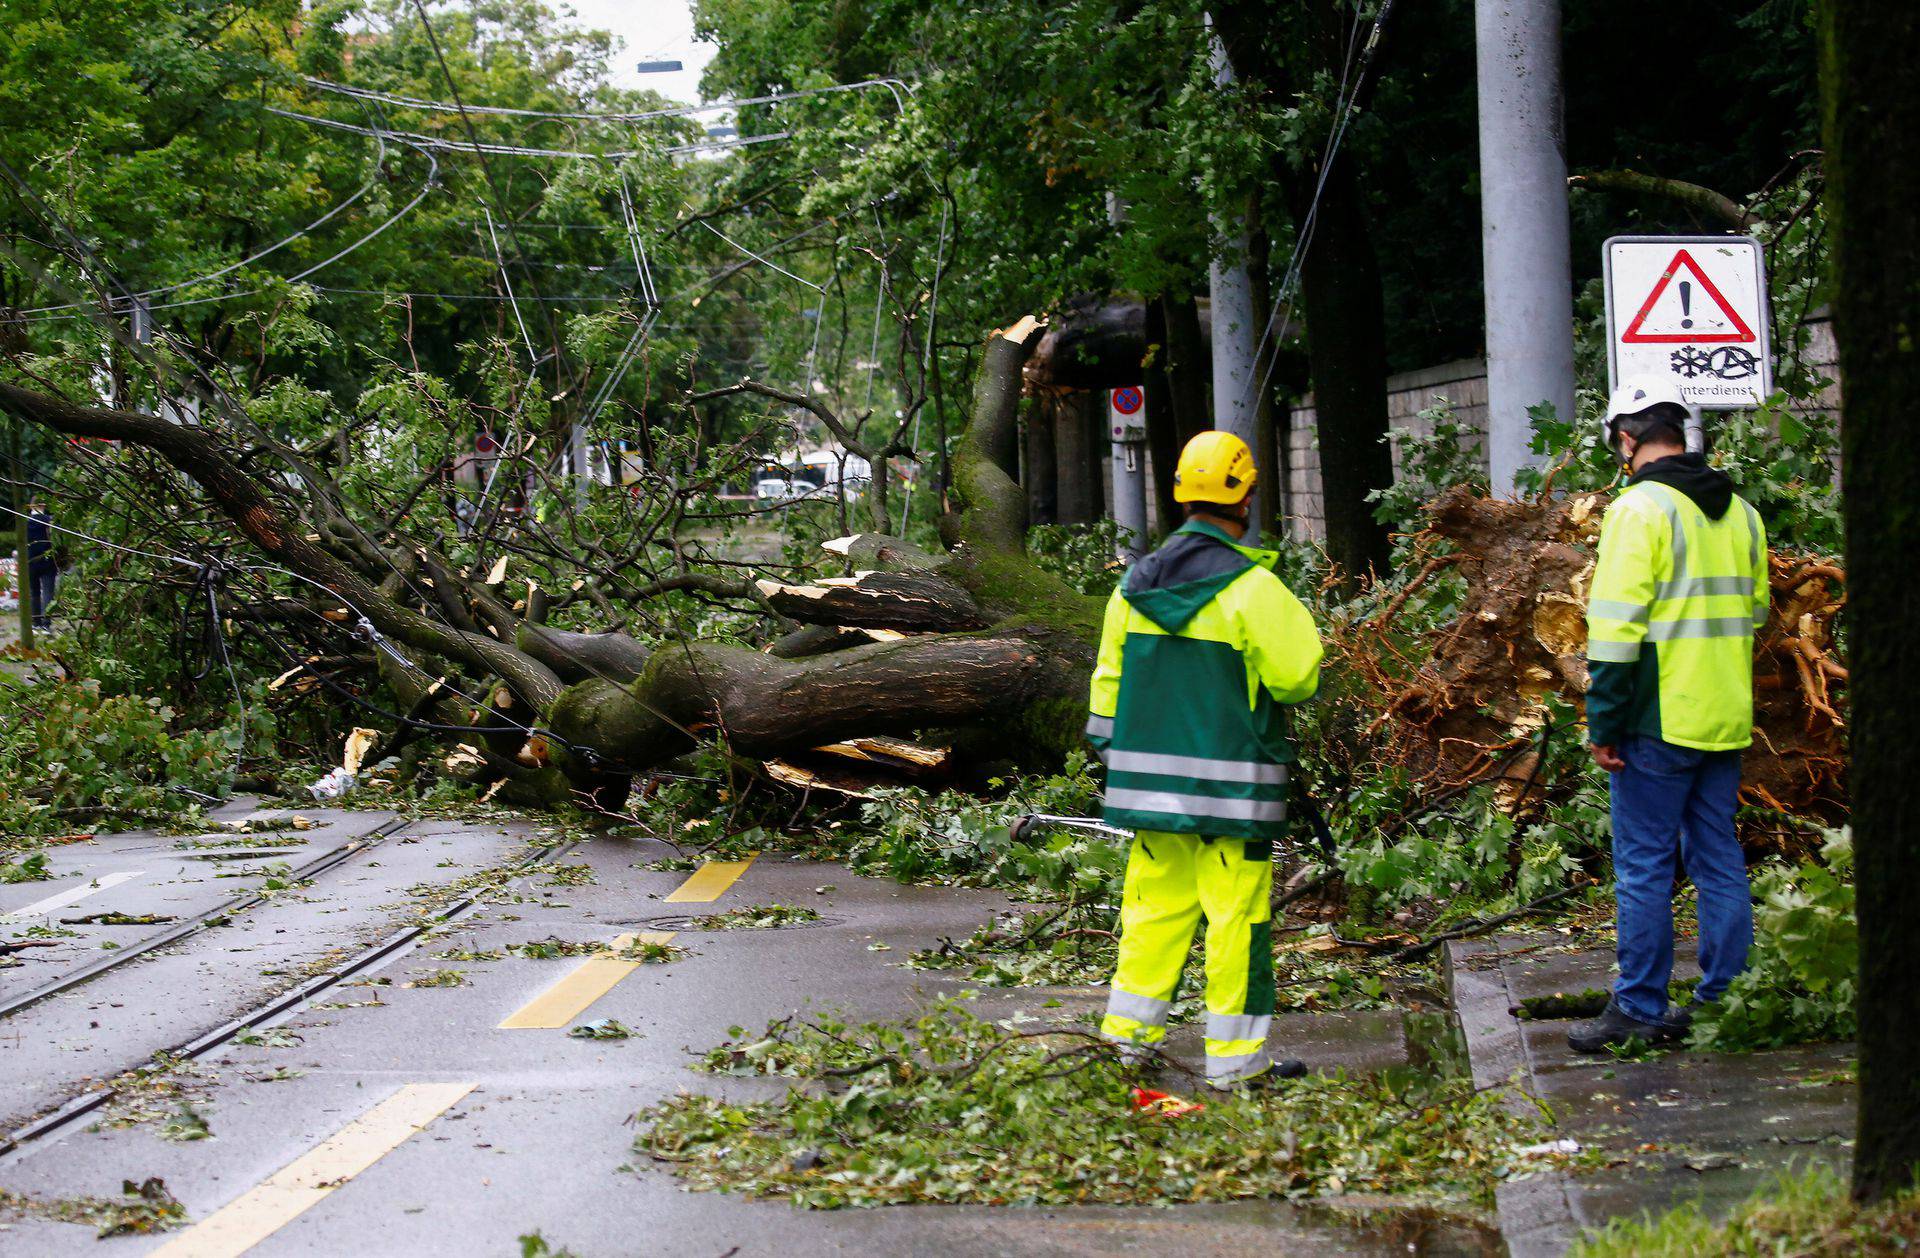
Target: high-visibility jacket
[[1201, 647], [1679, 587]]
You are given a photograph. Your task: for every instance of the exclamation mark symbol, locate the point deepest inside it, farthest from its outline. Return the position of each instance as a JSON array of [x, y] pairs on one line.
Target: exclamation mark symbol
[[1686, 304]]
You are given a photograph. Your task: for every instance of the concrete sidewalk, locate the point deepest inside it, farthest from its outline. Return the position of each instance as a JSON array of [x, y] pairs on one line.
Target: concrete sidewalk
[[1679, 1126]]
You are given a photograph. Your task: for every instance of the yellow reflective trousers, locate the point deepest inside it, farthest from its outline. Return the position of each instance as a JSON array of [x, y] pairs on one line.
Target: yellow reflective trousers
[[1172, 881]]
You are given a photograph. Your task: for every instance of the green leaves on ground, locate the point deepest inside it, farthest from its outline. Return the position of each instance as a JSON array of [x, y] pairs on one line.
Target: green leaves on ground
[[1799, 983], [604, 1029], [951, 837], [760, 917], [140, 1208], [439, 978], [952, 1108], [31, 867], [646, 950]]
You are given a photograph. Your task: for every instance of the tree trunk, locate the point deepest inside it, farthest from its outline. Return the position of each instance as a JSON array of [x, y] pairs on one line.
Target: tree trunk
[[1347, 355], [1042, 472], [1187, 367], [1093, 414], [1093, 343], [1079, 499], [1266, 449], [1872, 118], [1163, 436]]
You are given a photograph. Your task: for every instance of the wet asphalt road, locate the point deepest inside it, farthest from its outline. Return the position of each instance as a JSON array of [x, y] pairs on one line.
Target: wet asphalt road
[[429, 1128]]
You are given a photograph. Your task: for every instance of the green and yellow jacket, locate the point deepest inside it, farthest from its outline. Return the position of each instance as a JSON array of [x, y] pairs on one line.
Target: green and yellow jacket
[[1679, 588], [1201, 647]]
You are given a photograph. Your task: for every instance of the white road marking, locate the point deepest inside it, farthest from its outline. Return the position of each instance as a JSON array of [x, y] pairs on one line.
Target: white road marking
[[40, 908]]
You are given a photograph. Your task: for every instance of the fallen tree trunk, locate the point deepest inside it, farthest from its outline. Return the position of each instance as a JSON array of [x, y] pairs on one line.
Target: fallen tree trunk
[[977, 636]]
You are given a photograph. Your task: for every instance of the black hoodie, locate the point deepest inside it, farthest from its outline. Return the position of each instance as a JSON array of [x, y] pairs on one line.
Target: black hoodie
[[1710, 488]]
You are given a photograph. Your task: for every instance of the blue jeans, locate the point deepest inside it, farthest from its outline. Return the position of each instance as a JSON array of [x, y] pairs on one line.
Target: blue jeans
[[1676, 804]]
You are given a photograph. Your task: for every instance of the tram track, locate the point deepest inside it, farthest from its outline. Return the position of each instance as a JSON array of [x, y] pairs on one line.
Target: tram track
[[19, 1142], [193, 925]]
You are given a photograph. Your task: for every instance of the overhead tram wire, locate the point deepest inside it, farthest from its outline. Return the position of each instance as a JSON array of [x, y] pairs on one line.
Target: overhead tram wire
[[899, 88], [379, 160], [485, 149], [1303, 240], [131, 299]]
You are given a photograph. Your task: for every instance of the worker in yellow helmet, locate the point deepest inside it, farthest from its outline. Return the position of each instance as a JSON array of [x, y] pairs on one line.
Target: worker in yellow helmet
[[1679, 588], [1202, 648]]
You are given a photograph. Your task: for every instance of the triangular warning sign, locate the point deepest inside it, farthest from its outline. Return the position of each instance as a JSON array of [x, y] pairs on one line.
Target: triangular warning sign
[[1686, 315]]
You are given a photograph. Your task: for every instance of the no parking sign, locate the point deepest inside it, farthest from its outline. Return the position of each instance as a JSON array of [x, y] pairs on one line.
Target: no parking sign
[[1125, 408]]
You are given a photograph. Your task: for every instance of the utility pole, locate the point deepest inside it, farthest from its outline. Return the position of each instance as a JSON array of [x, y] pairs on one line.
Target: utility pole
[[1236, 335], [1523, 226]]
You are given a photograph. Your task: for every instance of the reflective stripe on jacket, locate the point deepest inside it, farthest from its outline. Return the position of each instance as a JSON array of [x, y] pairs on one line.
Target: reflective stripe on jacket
[[1675, 601], [1199, 650]]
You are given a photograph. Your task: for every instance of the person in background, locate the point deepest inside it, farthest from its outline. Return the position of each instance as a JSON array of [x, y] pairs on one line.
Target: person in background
[[42, 568], [1679, 588]]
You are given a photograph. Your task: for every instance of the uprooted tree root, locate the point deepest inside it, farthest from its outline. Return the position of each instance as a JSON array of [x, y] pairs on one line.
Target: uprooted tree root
[[1466, 701]]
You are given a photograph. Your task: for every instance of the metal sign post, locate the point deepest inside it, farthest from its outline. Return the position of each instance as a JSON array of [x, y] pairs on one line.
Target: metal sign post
[[1692, 309], [1127, 423]]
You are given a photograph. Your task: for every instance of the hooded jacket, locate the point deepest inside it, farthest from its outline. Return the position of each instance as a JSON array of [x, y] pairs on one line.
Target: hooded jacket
[[1679, 589], [1201, 646]]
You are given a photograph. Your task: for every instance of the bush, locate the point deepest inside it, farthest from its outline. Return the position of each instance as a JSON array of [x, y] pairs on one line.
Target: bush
[[1799, 980], [70, 755], [1082, 555]]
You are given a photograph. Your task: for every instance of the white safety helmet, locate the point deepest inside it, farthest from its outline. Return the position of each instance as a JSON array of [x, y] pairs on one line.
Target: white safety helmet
[[1637, 394]]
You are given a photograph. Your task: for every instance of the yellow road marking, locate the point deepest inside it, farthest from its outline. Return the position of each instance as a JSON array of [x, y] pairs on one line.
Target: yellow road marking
[[593, 978], [710, 881], [298, 1186]]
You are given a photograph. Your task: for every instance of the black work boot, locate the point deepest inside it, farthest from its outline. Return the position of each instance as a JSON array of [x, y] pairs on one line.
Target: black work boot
[[1679, 1020], [1278, 1071], [1615, 1027]]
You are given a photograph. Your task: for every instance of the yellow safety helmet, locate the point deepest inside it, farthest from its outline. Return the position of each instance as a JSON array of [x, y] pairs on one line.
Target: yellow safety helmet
[[1217, 467]]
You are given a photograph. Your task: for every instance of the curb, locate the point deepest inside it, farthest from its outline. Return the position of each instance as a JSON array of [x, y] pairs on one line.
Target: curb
[[1538, 1216]]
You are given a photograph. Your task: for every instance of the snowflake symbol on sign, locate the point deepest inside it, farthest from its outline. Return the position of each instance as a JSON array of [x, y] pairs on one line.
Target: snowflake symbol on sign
[[1692, 361]]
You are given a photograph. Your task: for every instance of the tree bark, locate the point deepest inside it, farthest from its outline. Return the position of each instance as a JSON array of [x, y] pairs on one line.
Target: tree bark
[[1872, 121], [1163, 437], [1077, 459], [1042, 470], [1347, 355]]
